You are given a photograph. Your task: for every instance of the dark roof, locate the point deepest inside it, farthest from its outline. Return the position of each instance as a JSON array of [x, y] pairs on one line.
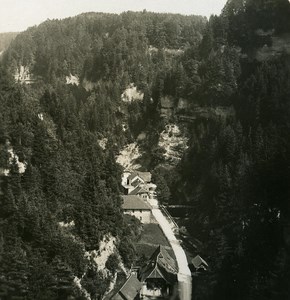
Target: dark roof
[[154, 270], [117, 297], [197, 262], [134, 175], [160, 265], [145, 176], [129, 290], [138, 190], [136, 182], [134, 202], [164, 259]]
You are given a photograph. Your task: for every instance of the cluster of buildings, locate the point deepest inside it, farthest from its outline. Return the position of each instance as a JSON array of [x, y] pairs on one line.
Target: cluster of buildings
[[156, 279], [139, 195]]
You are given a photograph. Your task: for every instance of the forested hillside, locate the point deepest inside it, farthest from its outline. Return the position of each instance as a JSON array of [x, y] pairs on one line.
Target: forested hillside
[[208, 104], [236, 173], [98, 46], [60, 183], [56, 211], [5, 40]]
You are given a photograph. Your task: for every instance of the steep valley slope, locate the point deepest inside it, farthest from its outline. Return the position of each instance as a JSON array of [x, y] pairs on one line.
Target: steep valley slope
[[202, 104]]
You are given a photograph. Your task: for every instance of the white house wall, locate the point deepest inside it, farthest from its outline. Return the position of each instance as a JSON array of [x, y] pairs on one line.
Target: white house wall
[[145, 217]]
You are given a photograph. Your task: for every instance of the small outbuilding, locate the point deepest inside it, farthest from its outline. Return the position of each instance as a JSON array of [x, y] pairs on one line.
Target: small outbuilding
[[199, 263]]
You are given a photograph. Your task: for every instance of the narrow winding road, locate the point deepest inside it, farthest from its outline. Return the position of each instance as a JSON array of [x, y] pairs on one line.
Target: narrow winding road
[[184, 274]]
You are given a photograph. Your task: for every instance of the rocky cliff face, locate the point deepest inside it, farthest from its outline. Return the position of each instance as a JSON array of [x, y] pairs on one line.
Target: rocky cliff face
[[132, 94], [128, 156], [23, 75], [174, 142], [180, 114]]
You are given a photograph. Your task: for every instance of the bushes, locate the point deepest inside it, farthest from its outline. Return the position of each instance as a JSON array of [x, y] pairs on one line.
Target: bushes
[[112, 263]]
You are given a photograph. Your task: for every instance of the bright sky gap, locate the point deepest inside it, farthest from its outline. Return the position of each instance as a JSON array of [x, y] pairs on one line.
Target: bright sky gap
[[18, 15]]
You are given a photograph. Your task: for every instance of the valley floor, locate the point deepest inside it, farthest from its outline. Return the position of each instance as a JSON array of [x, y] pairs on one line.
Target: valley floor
[[184, 273], [152, 237]]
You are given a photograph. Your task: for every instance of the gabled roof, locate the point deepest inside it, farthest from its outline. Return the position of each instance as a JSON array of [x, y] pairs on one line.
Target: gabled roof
[[136, 182], [138, 190], [197, 262], [162, 257], [134, 202], [145, 176], [153, 271], [134, 175], [160, 265], [129, 290]]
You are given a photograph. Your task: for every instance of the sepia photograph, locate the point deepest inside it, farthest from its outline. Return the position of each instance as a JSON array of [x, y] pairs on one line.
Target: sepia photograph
[[144, 150]]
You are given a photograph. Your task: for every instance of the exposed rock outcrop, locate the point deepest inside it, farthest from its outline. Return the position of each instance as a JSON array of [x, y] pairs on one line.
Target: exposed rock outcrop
[[132, 94], [23, 75], [72, 79], [128, 156], [173, 142]]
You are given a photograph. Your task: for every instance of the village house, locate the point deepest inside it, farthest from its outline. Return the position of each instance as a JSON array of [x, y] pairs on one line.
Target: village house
[[130, 289], [141, 192], [127, 189], [156, 279], [137, 207], [133, 181], [141, 177], [125, 176], [159, 275]]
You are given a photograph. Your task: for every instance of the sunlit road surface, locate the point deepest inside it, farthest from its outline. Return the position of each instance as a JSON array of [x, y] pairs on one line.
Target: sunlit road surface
[[184, 274]]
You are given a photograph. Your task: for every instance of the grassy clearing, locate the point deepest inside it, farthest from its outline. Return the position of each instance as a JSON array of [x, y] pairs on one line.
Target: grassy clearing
[[151, 237], [153, 234]]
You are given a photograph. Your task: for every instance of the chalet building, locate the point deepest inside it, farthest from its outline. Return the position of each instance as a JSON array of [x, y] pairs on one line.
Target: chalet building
[[134, 179], [139, 177], [159, 275], [130, 289], [141, 192], [127, 189], [132, 182], [199, 264], [137, 207], [156, 279], [125, 176]]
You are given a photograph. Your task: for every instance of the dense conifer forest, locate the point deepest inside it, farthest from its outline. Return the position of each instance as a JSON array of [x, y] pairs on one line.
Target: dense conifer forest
[[60, 187], [236, 172], [6, 39]]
